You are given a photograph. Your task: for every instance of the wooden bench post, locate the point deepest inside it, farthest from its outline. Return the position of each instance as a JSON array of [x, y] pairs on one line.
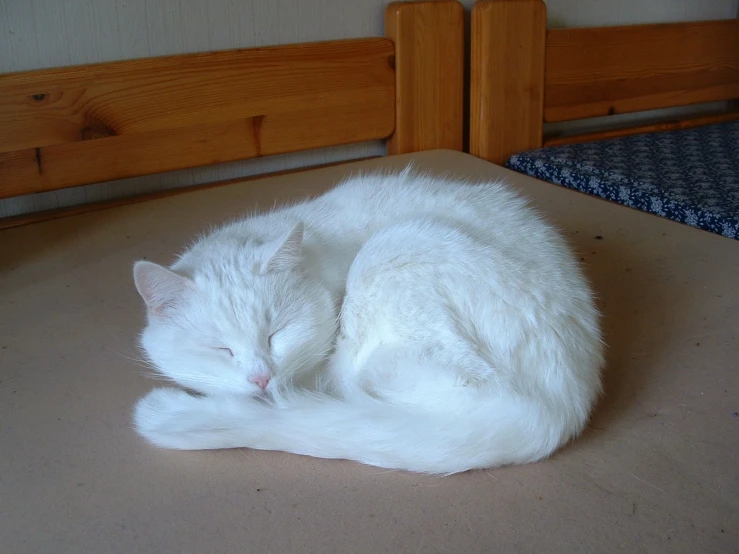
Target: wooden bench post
[[507, 77], [429, 66]]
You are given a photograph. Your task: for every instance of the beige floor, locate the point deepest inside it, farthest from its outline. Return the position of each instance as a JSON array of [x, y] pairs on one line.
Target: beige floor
[[656, 471]]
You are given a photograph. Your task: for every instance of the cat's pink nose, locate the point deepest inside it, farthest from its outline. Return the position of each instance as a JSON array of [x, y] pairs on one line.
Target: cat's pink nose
[[260, 380]]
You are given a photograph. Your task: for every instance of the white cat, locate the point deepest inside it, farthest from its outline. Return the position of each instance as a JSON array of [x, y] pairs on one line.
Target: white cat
[[404, 321]]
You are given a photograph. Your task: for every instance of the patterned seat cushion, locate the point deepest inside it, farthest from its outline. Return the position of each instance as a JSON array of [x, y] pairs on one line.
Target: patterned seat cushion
[[690, 176]]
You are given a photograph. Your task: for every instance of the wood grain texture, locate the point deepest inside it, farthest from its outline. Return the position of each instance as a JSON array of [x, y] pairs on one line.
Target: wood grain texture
[[79, 125], [507, 77], [609, 70], [66, 211], [660, 126], [429, 65]]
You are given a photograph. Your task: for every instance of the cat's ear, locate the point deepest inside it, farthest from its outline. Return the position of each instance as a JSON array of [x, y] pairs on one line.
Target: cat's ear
[[286, 252], [157, 285]]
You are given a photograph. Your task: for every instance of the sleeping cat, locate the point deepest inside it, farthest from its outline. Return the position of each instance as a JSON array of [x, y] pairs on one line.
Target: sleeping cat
[[404, 321]]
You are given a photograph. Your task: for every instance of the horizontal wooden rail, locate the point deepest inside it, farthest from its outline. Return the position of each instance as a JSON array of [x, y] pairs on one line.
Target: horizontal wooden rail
[[675, 125], [79, 125], [67, 211], [600, 71]]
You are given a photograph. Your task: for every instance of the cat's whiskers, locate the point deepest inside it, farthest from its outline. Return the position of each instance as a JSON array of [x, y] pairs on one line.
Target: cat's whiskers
[[157, 376], [198, 379], [137, 360], [311, 356]]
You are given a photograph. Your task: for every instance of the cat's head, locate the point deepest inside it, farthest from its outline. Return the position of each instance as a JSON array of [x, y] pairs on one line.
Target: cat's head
[[245, 318]]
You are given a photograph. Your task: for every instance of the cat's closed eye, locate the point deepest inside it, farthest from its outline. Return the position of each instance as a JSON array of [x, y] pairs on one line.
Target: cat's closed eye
[[225, 350], [273, 336]]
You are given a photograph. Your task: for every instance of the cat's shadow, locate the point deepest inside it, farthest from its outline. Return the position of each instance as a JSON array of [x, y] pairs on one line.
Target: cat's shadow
[[639, 316]]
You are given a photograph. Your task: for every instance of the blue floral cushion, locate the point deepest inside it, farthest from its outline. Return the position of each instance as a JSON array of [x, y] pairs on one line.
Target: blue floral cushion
[[690, 176]]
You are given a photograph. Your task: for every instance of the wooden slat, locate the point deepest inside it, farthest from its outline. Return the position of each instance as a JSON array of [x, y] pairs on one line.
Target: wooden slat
[[608, 70], [507, 77], [649, 128], [429, 64], [79, 125], [67, 211]]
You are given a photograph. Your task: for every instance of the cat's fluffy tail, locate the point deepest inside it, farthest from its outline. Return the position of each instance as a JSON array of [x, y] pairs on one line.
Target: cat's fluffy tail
[[464, 435]]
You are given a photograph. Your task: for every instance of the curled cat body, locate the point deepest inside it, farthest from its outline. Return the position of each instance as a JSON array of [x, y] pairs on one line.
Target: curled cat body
[[400, 320]]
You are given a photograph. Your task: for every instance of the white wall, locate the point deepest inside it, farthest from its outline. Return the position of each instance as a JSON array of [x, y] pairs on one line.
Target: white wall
[[592, 13], [47, 33]]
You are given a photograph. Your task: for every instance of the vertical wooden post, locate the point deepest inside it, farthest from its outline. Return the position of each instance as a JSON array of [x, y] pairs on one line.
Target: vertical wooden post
[[733, 105], [507, 77], [429, 73]]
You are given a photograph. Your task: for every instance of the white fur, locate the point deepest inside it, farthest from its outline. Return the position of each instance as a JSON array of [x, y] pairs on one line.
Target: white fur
[[416, 323]]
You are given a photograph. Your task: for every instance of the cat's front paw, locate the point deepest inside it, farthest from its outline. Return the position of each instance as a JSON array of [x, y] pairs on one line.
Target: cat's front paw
[[170, 418]]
